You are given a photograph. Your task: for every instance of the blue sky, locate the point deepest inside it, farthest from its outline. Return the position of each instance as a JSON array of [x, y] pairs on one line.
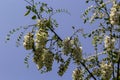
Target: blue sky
[[12, 65]]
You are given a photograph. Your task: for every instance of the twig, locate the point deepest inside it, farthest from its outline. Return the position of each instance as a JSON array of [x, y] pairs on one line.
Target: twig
[[28, 2], [90, 57]]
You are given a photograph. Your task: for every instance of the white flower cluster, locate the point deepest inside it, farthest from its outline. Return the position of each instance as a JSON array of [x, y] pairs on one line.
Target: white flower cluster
[[41, 38], [72, 46], [42, 22], [38, 60], [77, 74], [42, 56], [115, 14], [46, 59], [67, 45], [28, 41], [109, 43], [106, 70], [77, 54]]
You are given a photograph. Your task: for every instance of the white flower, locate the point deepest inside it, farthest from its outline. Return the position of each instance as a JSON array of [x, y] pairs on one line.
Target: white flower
[[77, 74], [67, 45], [115, 14], [109, 43], [106, 70], [28, 41], [48, 59], [41, 38], [41, 22], [77, 54]]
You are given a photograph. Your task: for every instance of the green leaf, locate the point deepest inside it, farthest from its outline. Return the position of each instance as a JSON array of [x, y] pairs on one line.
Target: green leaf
[[54, 37], [7, 38], [34, 10], [89, 35], [34, 17], [28, 7], [44, 4], [41, 9], [87, 1], [85, 21], [27, 13]]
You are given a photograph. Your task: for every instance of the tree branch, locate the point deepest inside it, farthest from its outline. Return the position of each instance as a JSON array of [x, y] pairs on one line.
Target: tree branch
[[28, 2], [55, 34], [88, 70]]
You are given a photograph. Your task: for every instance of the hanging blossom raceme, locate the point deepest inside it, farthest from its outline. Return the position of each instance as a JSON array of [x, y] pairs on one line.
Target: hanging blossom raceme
[[39, 23], [42, 56], [38, 59], [48, 59], [67, 45], [109, 43], [28, 42], [77, 54], [106, 70], [42, 22], [44, 59], [77, 74], [77, 51], [41, 38], [41, 34], [115, 14], [73, 46]]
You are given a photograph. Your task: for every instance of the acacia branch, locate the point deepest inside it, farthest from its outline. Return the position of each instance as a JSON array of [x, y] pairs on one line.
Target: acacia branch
[[28, 2], [88, 70], [55, 34]]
